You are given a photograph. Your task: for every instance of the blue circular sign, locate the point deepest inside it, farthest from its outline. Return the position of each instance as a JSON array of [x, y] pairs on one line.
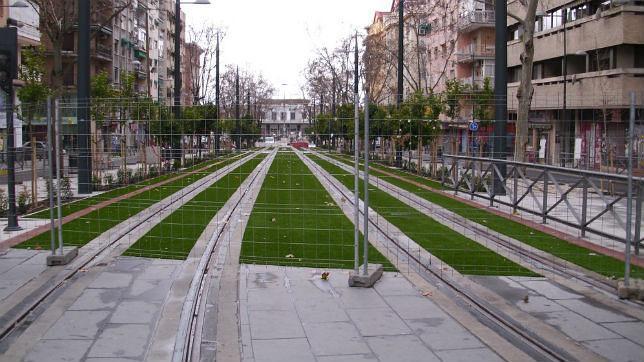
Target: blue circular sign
[[474, 126]]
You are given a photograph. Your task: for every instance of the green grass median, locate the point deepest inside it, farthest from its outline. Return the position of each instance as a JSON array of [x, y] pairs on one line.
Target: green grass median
[[295, 222], [459, 252], [84, 229], [175, 235], [74, 206], [599, 263]]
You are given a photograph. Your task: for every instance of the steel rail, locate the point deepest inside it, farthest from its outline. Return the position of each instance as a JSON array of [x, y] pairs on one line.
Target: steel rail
[[494, 318], [16, 321]]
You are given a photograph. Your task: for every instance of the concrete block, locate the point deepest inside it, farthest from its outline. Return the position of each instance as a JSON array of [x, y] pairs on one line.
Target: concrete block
[[66, 258], [634, 290], [374, 272]]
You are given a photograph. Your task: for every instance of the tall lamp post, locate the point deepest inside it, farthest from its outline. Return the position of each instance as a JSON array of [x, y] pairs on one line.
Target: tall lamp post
[[8, 72], [500, 92]]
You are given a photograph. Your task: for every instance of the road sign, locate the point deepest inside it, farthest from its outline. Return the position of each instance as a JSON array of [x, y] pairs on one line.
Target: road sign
[[474, 126]]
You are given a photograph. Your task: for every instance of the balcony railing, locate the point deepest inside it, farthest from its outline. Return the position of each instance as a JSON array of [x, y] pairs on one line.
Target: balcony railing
[[103, 52], [477, 82], [474, 52], [475, 19]]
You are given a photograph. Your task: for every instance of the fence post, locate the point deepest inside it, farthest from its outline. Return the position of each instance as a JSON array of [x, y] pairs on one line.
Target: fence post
[[366, 185], [629, 192], [50, 181], [584, 206], [545, 197], [58, 129], [515, 175], [638, 217]]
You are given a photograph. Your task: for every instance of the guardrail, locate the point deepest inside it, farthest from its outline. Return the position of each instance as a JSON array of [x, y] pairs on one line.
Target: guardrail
[[590, 201]]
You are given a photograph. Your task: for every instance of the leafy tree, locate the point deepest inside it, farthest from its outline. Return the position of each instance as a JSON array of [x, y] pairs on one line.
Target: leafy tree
[[32, 96]]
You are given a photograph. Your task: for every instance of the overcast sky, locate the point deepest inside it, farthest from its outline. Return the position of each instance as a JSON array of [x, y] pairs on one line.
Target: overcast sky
[[277, 37]]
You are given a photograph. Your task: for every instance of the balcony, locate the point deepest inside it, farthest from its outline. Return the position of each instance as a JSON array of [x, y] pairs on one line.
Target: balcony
[[475, 19], [606, 88], [102, 52], [475, 52]]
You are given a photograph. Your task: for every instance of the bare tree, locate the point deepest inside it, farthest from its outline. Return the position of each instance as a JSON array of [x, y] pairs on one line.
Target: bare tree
[[249, 83], [204, 77], [525, 16], [59, 18]]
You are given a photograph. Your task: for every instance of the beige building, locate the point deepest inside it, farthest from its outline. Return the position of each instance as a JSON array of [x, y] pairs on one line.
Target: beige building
[[605, 61]]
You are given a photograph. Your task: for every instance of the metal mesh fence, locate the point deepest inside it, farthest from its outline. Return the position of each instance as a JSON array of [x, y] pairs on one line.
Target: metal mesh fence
[[160, 175]]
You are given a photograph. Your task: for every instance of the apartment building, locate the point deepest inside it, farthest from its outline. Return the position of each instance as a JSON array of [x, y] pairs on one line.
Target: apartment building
[[444, 40], [166, 49], [26, 21], [579, 113], [190, 73]]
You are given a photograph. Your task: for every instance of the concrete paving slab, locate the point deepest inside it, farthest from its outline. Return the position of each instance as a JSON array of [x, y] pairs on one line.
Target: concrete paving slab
[[631, 330], [121, 340], [395, 284], [97, 299], [321, 311], [58, 351], [335, 338], [469, 355], [617, 349], [599, 314], [269, 299], [135, 311], [549, 290], [539, 304], [414, 307], [282, 350], [24, 272], [387, 322], [441, 333], [77, 325], [349, 358], [149, 289], [158, 272], [400, 349], [110, 360], [112, 280], [8, 263], [360, 298], [263, 324], [577, 327]]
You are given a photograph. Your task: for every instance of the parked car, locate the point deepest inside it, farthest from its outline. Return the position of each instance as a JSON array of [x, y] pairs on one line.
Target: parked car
[[41, 150]]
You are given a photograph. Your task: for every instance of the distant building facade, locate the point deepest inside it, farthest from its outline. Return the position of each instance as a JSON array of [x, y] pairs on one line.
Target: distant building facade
[[285, 118]]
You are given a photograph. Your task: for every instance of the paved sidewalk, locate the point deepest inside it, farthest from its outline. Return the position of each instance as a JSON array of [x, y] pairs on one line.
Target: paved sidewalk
[[291, 314], [18, 267], [605, 331], [114, 316]]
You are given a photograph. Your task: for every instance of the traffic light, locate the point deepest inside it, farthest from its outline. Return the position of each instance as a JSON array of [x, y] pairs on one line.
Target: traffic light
[[8, 58]]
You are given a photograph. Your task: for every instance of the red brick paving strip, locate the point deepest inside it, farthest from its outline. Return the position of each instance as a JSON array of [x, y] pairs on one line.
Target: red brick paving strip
[[6, 244], [635, 260]]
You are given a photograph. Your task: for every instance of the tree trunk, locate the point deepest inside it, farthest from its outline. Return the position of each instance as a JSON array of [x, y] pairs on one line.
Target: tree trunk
[[419, 167], [57, 71], [524, 93], [34, 164]]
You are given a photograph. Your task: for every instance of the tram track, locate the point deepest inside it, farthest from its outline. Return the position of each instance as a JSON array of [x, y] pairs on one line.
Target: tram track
[[490, 316], [552, 263], [188, 339], [22, 310]]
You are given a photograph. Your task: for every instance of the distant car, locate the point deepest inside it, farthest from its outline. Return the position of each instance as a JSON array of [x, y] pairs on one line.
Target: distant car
[[41, 150]]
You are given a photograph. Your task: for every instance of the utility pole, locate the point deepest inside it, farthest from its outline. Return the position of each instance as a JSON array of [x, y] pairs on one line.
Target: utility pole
[[217, 128], [83, 100], [500, 93], [401, 45], [237, 111]]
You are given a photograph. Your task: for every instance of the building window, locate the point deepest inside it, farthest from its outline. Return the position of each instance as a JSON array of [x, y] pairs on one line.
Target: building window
[[116, 74], [283, 116], [292, 116], [273, 116]]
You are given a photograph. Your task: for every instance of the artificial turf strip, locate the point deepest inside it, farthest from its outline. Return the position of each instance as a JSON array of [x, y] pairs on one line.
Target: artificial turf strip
[[75, 206], [84, 229], [295, 222], [461, 253], [599, 263], [175, 236]]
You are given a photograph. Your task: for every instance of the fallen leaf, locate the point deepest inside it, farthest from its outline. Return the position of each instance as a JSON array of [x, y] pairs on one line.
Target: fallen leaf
[[427, 294], [290, 256]]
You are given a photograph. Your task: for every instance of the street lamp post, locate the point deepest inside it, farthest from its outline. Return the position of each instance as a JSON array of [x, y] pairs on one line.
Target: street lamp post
[[177, 52]]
